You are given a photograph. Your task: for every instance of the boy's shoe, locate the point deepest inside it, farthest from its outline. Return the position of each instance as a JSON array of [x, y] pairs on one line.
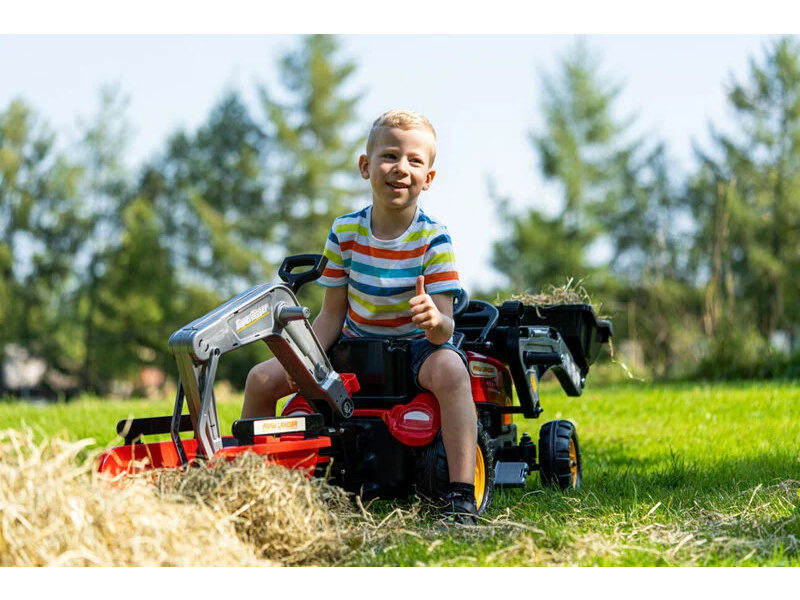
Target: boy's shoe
[[460, 509]]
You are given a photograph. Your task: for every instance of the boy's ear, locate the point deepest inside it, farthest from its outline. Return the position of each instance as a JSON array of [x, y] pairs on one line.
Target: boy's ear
[[363, 166], [429, 179]]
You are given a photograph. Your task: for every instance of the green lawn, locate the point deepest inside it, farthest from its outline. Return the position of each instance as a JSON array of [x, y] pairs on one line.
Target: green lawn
[[673, 475]]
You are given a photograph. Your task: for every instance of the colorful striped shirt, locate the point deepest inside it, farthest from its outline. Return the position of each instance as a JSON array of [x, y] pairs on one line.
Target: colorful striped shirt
[[381, 275]]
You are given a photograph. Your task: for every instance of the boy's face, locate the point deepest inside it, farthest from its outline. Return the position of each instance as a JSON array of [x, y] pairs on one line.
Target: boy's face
[[399, 166]]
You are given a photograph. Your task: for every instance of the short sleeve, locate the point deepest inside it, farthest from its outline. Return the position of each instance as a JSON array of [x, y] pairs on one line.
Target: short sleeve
[[334, 275], [439, 267]]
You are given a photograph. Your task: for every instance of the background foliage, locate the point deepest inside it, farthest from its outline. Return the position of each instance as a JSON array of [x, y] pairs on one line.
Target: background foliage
[[100, 263]]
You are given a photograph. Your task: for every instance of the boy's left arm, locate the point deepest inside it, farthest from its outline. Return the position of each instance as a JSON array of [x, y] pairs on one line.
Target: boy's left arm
[[433, 314]]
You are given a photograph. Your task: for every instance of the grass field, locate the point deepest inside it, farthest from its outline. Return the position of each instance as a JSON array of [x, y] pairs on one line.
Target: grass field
[[673, 475]]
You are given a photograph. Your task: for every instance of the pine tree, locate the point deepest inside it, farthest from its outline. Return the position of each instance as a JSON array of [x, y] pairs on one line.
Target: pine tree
[[315, 149], [105, 187], [579, 150], [753, 188], [40, 232], [209, 191]]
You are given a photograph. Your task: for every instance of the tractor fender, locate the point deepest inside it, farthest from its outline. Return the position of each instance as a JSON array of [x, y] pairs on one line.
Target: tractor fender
[[414, 423]]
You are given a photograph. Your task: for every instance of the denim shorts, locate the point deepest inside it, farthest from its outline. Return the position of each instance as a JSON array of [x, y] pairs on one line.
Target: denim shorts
[[420, 349]]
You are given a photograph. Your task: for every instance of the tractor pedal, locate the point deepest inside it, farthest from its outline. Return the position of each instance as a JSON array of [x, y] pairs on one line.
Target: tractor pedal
[[511, 474]]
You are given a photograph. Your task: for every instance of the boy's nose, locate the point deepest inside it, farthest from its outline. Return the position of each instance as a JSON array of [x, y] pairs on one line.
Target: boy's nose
[[401, 166]]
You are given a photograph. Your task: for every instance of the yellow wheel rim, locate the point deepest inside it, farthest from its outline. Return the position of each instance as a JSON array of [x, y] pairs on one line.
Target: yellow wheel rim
[[480, 478], [573, 462]]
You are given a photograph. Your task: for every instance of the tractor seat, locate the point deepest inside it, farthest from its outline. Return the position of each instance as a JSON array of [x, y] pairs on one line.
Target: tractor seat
[[383, 365]]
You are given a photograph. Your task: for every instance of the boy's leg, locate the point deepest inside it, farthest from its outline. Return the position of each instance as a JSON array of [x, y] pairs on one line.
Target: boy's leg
[[444, 374], [267, 382]]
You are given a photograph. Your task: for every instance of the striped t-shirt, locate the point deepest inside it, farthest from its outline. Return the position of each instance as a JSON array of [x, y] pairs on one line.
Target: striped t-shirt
[[381, 275]]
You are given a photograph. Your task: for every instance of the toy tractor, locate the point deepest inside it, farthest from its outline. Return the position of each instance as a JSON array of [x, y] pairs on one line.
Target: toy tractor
[[358, 418]]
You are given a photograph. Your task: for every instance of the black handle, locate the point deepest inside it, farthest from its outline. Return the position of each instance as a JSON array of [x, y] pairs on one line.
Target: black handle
[[317, 263], [546, 359]]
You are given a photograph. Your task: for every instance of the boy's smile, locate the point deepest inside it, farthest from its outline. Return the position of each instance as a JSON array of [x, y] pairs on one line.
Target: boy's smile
[[399, 167]]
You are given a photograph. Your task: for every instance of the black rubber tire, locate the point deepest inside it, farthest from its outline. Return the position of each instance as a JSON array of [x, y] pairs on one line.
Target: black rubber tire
[[433, 476], [560, 462]]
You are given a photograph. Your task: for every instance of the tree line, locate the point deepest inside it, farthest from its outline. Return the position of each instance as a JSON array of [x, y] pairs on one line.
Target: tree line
[[701, 278], [99, 263]]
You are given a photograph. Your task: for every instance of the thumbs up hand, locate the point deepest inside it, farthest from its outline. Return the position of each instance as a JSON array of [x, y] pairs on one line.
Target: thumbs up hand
[[424, 313], [420, 285]]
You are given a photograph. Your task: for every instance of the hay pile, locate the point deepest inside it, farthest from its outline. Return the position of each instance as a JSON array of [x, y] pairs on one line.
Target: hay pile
[[280, 512], [55, 511]]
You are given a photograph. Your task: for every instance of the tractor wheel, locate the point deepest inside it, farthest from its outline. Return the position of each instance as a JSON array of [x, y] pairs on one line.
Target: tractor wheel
[[433, 476], [560, 455]]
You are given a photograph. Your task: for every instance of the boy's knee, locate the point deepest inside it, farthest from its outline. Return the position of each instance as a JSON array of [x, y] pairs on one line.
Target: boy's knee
[[258, 375], [266, 376], [266, 383], [445, 370]]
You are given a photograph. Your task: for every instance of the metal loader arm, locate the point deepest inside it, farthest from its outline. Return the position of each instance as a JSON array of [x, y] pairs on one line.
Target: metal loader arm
[[543, 348], [530, 351], [264, 312]]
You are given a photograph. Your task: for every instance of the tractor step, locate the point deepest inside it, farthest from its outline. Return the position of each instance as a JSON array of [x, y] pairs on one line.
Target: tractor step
[[511, 474]]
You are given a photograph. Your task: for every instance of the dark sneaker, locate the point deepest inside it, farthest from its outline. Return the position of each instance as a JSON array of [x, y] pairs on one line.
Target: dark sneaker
[[460, 509]]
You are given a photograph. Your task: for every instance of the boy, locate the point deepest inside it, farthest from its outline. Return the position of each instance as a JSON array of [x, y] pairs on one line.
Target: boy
[[391, 272]]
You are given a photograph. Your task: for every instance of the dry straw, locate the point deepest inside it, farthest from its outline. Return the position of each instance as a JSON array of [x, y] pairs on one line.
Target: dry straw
[[56, 511], [280, 512], [571, 292]]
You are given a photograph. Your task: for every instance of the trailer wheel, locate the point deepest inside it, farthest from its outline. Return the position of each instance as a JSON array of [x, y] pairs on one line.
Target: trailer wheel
[[560, 455], [433, 476]]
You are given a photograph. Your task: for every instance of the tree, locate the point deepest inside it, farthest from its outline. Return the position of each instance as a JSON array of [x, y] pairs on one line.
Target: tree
[[105, 189], [579, 150], [750, 206], [315, 159], [645, 220], [209, 191], [40, 231], [537, 251], [582, 138], [205, 201], [617, 198], [134, 303]]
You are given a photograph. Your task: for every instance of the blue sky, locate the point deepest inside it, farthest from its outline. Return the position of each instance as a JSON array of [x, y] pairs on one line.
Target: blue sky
[[482, 93]]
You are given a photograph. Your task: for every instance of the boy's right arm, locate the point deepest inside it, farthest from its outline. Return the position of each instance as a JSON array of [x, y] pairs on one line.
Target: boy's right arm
[[328, 324]]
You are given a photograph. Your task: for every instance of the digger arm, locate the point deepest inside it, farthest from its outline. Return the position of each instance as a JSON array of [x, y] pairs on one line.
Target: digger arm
[[266, 312]]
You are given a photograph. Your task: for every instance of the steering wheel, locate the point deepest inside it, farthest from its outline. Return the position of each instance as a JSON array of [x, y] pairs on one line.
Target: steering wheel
[[479, 309], [461, 302]]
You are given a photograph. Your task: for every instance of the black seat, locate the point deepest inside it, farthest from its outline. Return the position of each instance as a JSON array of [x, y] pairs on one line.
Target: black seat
[[383, 365]]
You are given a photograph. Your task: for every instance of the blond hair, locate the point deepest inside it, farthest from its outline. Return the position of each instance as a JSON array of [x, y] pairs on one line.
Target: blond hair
[[405, 120]]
